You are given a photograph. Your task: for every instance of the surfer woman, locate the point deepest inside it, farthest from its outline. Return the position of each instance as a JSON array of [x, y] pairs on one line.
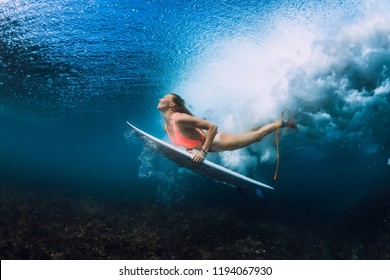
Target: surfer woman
[[191, 132]]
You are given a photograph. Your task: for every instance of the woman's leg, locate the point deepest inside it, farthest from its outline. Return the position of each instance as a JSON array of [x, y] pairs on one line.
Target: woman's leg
[[227, 142]]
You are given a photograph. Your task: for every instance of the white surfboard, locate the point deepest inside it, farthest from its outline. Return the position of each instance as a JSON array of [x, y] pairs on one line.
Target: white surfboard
[[207, 168]]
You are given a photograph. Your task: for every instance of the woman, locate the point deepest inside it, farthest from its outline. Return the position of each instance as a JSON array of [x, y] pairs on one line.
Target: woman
[[187, 131]]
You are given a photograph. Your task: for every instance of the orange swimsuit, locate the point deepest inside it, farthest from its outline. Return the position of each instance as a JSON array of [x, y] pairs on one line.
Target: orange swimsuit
[[180, 140]]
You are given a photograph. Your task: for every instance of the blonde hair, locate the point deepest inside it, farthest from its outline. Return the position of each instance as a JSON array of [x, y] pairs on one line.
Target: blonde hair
[[180, 104]]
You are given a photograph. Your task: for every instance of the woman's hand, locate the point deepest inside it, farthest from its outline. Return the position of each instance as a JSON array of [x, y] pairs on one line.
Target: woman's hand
[[198, 156]]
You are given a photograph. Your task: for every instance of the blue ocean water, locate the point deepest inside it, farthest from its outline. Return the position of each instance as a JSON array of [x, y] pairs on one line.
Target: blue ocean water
[[73, 72]]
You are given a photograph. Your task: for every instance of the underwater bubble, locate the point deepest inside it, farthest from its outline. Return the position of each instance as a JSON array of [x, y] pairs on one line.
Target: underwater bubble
[[131, 136], [172, 182], [146, 169]]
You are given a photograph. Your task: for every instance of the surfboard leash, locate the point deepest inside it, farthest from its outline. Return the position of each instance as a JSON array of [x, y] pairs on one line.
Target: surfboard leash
[[277, 154], [277, 139]]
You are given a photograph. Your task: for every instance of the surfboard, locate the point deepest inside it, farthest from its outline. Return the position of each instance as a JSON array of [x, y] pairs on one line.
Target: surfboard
[[184, 159]]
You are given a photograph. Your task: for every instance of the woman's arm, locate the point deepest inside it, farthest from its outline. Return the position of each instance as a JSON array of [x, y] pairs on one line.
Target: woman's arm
[[185, 121]]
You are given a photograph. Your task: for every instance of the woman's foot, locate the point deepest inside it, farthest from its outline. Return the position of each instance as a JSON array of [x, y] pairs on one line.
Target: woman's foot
[[289, 123]]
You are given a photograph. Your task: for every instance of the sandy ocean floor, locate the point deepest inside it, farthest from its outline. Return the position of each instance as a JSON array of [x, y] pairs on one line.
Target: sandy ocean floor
[[57, 223]]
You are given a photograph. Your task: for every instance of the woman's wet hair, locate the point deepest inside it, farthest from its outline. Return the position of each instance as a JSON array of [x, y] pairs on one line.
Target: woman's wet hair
[[180, 104]]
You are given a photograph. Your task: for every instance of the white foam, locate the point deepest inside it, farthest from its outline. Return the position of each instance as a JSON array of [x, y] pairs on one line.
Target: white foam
[[241, 83]]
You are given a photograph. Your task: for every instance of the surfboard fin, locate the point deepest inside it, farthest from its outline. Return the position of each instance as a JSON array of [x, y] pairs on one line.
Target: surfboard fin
[[259, 192]]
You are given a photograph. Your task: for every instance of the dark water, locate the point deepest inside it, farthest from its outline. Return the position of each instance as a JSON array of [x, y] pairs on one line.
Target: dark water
[[75, 183]]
